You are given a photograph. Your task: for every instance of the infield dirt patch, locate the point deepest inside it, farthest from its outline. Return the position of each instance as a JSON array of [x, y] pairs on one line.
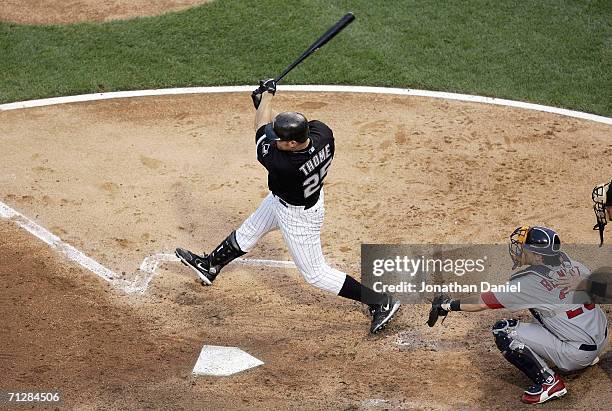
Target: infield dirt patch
[[122, 179], [76, 11]]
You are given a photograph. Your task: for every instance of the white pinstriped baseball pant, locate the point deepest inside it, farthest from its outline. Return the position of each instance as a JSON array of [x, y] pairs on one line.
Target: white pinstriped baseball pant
[[302, 233]]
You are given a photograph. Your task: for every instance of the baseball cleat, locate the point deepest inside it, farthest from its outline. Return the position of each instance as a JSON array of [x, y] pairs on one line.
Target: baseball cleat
[[540, 393], [199, 264], [382, 314], [595, 361]]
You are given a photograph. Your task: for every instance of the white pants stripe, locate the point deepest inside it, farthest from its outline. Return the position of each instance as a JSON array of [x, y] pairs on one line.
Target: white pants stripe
[[301, 231]]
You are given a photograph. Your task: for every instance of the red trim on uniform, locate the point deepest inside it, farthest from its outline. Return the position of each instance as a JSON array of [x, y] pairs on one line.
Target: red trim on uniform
[[574, 313], [490, 300]]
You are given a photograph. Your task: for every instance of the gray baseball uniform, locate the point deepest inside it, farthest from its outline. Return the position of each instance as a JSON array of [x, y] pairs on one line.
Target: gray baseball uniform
[[569, 334]]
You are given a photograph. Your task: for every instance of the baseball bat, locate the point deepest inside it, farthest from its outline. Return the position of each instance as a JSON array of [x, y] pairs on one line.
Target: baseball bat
[[329, 34]]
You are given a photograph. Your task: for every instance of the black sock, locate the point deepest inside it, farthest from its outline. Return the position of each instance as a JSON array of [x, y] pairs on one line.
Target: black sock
[[227, 251], [354, 290]]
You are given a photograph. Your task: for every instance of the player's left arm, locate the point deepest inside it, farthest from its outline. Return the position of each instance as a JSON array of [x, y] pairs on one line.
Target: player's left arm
[[443, 304], [263, 115], [475, 303], [262, 97], [471, 303]]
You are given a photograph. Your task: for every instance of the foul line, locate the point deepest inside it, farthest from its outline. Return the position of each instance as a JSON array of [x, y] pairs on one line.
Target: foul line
[[145, 273], [313, 88], [55, 242]]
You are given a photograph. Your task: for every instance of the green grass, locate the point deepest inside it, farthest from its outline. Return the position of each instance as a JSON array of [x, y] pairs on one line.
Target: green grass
[[555, 52]]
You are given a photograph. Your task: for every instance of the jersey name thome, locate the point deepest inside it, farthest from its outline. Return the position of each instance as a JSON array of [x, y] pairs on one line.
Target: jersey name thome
[[319, 158]]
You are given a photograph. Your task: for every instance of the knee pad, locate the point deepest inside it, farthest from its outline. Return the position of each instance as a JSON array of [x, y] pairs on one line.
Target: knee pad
[[517, 353], [501, 331]]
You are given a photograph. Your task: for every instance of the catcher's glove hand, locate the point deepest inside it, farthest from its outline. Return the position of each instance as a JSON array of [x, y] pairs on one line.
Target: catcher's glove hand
[[268, 85], [437, 310]]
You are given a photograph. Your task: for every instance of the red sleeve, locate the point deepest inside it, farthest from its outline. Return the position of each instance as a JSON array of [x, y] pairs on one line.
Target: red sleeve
[[490, 300]]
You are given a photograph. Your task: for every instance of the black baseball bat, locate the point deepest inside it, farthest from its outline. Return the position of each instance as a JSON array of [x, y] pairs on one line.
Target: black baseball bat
[[329, 34]]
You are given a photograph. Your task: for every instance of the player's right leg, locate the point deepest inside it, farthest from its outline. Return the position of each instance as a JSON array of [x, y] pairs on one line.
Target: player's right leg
[[514, 340], [238, 243], [301, 230]]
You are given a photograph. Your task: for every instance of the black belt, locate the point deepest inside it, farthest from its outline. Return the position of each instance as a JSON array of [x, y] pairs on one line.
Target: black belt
[[591, 347], [306, 206]]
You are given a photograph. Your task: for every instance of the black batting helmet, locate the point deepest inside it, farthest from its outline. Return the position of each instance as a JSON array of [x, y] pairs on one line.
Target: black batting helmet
[[288, 126]]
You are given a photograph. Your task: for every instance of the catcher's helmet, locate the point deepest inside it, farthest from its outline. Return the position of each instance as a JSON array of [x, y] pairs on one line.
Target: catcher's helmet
[[288, 126], [602, 197], [539, 240]]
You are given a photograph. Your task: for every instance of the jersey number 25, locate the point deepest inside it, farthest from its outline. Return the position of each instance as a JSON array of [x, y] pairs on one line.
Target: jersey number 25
[[313, 183]]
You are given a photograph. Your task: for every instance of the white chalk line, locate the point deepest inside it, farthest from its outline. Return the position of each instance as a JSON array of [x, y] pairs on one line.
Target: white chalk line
[[151, 263], [308, 88], [143, 276], [56, 243]]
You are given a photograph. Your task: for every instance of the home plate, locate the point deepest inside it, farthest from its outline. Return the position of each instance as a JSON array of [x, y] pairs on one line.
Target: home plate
[[223, 361]]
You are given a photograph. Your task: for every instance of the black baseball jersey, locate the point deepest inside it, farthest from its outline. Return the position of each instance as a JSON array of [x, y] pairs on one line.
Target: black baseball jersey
[[297, 176]]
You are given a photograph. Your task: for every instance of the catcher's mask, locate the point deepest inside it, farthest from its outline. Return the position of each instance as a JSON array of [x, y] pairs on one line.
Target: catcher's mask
[[288, 126], [538, 240], [602, 197]]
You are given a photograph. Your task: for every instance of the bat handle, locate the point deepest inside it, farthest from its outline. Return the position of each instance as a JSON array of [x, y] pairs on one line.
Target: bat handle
[[284, 73]]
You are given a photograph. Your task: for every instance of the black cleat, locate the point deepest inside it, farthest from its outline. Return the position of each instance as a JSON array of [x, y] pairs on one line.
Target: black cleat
[[382, 314], [199, 264]]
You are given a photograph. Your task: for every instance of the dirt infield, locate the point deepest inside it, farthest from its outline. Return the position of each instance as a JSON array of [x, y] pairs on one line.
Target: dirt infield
[[123, 179], [75, 11]]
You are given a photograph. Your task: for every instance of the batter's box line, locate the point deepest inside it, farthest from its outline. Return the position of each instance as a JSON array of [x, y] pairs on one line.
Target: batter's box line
[[151, 263], [145, 273]]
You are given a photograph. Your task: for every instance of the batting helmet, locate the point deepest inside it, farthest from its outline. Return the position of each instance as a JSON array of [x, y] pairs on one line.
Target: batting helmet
[[288, 126], [539, 240]]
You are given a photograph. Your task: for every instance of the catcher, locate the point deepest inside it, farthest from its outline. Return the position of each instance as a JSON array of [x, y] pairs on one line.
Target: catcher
[[567, 334]]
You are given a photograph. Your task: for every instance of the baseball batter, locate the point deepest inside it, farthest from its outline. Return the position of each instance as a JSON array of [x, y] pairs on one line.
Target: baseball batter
[[570, 332], [297, 155]]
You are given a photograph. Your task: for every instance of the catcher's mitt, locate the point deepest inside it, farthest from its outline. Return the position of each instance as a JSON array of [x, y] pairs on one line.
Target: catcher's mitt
[[437, 310]]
